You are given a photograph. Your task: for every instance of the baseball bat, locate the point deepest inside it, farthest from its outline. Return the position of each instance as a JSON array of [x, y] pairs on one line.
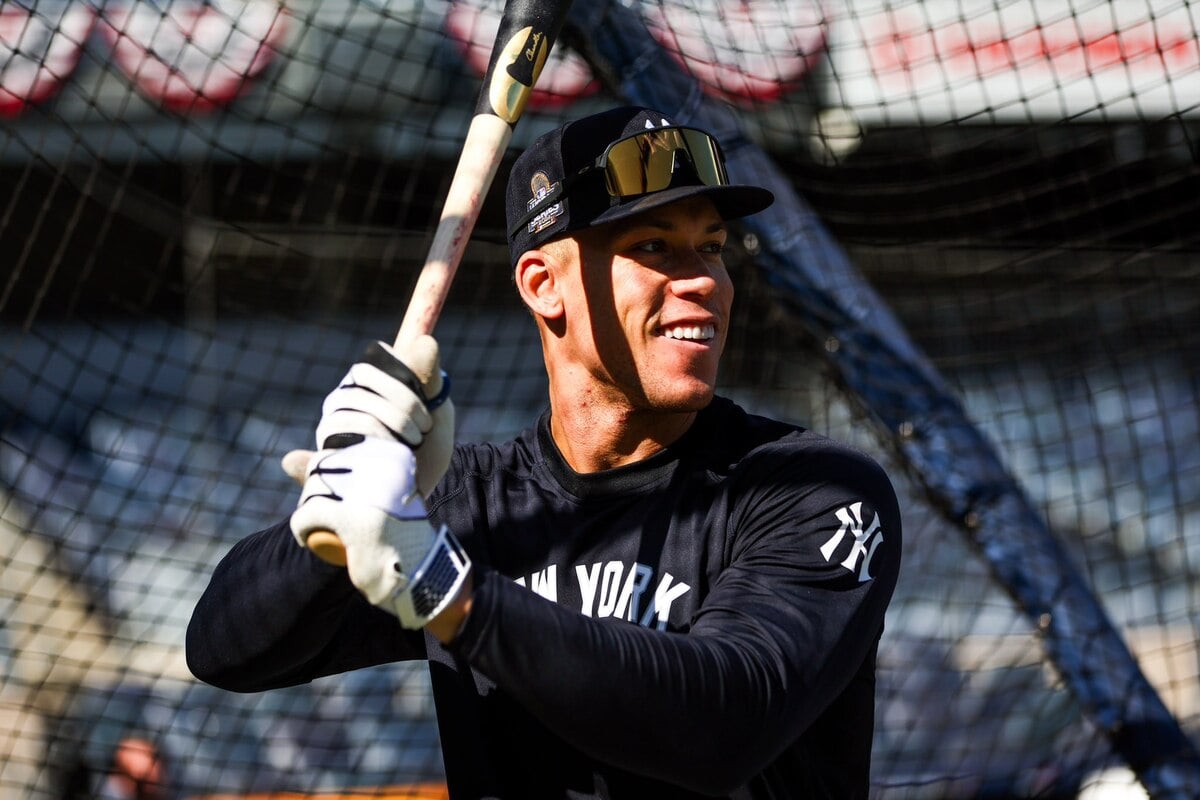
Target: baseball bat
[[527, 31]]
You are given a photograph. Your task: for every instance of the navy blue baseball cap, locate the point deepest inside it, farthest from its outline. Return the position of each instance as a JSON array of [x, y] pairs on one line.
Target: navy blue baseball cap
[[612, 165]]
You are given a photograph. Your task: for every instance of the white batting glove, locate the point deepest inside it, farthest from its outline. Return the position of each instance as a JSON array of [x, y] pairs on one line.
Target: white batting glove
[[395, 396], [367, 494]]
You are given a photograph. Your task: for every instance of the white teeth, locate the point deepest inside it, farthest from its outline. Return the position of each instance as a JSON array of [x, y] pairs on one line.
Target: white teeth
[[694, 332]]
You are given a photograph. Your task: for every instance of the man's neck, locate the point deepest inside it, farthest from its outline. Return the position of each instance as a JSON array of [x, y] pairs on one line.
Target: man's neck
[[594, 438]]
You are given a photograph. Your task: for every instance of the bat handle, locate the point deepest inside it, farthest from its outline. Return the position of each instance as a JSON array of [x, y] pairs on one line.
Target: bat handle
[[326, 546], [483, 151]]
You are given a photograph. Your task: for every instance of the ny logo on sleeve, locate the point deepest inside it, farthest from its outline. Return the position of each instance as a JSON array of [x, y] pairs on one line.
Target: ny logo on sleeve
[[866, 535]]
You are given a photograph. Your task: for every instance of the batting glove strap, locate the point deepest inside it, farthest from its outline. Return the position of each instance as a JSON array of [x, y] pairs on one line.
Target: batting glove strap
[[434, 583], [382, 356]]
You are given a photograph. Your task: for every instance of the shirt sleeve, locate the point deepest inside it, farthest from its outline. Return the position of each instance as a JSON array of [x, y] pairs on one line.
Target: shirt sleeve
[[275, 615], [786, 626]]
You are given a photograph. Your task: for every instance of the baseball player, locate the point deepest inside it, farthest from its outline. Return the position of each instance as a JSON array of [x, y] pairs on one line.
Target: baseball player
[[650, 593]]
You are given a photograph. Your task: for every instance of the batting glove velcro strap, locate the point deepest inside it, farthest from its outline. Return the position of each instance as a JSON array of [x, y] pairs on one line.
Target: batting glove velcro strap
[[434, 583], [366, 494]]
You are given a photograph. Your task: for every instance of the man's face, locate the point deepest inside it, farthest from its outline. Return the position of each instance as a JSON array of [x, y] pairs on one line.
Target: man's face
[[647, 307]]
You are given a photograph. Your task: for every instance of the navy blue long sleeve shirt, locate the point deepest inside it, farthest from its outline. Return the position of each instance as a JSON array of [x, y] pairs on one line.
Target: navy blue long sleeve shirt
[[701, 623]]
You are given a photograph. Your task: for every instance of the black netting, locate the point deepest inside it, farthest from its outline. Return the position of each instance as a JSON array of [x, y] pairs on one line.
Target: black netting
[[206, 209]]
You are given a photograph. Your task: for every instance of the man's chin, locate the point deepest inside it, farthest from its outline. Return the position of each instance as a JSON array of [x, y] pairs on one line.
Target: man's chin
[[688, 402]]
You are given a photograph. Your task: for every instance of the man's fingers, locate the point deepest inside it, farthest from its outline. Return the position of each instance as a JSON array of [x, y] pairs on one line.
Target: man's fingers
[[295, 464], [374, 416]]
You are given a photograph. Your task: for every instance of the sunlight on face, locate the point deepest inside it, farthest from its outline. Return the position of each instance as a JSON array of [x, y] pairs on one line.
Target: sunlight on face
[[648, 311]]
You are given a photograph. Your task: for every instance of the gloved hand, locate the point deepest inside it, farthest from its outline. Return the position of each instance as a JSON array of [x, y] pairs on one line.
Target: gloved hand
[[386, 436], [382, 397], [366, 493], [397, 396]]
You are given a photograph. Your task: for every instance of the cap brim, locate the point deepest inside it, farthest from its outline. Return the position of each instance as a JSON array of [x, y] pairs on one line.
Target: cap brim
[[732, 202]]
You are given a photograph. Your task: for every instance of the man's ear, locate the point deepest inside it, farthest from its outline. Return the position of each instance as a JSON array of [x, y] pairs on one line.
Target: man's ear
[[537, 277]]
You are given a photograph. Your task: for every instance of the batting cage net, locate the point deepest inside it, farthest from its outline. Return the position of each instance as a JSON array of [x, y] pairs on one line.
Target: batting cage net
[[983, 267]]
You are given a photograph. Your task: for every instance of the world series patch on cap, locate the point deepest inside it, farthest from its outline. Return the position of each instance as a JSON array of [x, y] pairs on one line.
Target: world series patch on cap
[[610, 166]]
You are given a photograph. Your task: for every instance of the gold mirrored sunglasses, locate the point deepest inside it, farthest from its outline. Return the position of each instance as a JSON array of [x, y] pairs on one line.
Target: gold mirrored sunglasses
[[643, 163], [647, 161]]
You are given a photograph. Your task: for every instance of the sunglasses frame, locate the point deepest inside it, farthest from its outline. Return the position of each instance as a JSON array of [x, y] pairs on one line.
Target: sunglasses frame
[[602, 163], [714, 147]]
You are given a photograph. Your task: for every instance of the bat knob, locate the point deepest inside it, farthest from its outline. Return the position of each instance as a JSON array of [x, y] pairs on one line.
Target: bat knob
[[326, 546]]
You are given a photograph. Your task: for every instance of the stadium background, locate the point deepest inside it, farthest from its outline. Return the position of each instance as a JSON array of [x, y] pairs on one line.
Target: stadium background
[[987, 277]]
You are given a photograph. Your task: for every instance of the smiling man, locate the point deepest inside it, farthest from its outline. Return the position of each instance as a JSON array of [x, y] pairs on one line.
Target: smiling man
[[656, 299], [650, 592]]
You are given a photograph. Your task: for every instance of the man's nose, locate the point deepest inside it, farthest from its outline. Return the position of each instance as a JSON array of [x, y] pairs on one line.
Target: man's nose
[[696, 275]]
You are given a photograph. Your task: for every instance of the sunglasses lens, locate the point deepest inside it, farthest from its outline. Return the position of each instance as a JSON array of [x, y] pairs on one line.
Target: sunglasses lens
[[706, 159], [646, 162]]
